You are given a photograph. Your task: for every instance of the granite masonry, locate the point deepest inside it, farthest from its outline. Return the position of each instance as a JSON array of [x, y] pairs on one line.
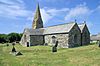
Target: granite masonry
[[68, 35]]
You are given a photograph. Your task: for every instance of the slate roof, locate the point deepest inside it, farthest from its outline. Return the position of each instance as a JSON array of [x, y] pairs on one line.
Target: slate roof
[[63, 28], [34, 31], [81, 26], [95, 37]]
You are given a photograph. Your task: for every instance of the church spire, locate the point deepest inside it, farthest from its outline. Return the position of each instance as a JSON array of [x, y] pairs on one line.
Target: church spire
[[37, 22]]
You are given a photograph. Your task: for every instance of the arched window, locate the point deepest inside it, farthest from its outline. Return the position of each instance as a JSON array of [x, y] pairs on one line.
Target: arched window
[[53, 39], [75, 38]]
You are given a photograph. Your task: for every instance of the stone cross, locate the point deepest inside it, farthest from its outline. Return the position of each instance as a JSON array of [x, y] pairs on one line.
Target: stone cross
[[75, 20]]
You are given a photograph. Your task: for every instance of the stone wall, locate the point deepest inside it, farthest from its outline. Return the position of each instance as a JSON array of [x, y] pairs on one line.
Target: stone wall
[[65, 40], [25, 38], [74, 37], [85, 36], [36, 40], [61, 38]]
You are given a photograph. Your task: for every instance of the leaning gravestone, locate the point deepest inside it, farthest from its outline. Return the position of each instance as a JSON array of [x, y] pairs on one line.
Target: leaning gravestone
[[54, 48], [15, 53], [99, 43], [18, 53], [56, 44]]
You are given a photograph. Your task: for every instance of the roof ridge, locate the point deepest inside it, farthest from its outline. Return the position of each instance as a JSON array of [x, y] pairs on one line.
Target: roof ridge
[[60, 24]]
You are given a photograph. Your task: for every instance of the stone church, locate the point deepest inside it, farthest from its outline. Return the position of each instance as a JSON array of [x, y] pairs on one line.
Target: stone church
[[68, 35]]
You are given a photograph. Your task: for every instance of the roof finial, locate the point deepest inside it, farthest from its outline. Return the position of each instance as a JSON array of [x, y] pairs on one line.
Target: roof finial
[[38, 8], [75, 20], [38, 4], [85, 22]]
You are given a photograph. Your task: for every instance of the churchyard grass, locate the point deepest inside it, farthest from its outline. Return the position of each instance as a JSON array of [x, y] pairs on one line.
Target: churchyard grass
[[43, 56]]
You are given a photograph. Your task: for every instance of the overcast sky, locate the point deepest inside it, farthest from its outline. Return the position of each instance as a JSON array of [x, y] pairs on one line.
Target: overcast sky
[[15, 15]]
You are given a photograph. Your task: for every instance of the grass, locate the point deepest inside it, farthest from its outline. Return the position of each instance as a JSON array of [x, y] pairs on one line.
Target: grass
[[42, 56]]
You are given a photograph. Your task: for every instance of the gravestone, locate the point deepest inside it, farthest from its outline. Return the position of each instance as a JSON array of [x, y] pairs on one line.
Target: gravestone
[[7, 44], [15, 53], [18, 53], [54, 48], [99, 43], [13, 49], [13, 44], [56, 44]]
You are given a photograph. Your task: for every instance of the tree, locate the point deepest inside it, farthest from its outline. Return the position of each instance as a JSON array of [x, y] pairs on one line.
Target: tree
[[14, 37], [3, 38]]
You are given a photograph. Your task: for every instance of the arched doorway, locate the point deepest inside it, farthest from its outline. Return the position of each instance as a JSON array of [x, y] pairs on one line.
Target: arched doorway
[[27, 44]]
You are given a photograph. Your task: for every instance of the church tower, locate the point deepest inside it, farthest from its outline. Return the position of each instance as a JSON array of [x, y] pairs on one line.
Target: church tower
[[37, 22]]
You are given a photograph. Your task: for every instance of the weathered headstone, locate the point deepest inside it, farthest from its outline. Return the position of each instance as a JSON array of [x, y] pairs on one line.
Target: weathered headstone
[[56, 44], [13, 49], [54, 48], [14, 52], [99, 43]]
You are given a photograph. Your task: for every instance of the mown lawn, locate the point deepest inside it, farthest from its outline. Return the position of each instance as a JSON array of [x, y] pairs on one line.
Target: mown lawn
[[42, 56]]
